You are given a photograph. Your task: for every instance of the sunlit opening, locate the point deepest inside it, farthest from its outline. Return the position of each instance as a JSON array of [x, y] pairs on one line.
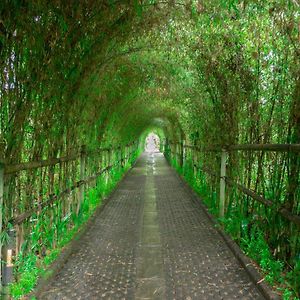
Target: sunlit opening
[[152, 143]]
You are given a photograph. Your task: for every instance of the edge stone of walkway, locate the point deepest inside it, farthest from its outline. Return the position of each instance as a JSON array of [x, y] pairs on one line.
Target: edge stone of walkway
[[54, 268], [250, 267]]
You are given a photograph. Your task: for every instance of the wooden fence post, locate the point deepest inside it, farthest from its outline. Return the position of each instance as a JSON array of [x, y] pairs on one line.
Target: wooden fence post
[[122, 156], [127, 153], [194, 155], [82, 176], [181, 154], [184, 151], [166, 147], [109, 156], [106, 165], [224, 155], [1, 217], [7, 272]]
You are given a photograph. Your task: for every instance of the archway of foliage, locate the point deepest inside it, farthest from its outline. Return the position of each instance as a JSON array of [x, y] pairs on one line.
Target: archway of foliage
[[99, 73]]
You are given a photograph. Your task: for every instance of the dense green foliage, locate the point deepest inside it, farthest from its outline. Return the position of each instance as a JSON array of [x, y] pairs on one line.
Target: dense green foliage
[[102, 73]]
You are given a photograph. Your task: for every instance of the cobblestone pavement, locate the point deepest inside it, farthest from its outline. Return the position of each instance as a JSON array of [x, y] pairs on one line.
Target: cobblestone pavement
[[151, 241], [197, 262]]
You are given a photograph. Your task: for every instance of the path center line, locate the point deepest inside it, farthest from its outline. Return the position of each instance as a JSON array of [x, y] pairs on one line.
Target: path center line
[[150, 275]]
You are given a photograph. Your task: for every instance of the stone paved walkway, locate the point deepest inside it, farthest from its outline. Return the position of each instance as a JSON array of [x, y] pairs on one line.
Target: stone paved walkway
[[151, 241]]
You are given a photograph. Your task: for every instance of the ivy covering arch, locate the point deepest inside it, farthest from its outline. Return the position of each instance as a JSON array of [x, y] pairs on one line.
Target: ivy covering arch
[[205, 73]]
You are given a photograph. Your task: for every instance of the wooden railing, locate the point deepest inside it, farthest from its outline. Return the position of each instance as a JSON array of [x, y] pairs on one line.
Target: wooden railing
[[246, 147], [121, 156], [224, 150]]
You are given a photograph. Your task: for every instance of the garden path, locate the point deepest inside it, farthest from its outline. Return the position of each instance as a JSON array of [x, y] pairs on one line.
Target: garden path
[[152, 240]]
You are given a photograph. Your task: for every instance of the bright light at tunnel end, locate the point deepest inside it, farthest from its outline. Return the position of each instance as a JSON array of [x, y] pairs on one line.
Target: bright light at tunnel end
[[152, 143]]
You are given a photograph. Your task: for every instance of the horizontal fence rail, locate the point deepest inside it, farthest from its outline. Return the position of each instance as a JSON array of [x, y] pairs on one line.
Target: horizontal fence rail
[[74, 165], [53, 198], [14, 168], [245, 147], [225, 179], [266, 147], [269, 203]]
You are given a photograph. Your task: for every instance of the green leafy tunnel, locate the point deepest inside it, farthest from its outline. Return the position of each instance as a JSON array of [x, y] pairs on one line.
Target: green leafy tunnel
[[202, 73], [90, 72]]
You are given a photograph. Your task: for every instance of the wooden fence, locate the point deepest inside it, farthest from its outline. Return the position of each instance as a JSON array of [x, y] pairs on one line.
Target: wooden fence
[[104, 159], [178, 152]]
